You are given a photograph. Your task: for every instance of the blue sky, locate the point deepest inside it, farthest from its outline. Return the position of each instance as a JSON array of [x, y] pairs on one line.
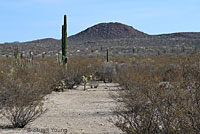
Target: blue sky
[[25, 20]]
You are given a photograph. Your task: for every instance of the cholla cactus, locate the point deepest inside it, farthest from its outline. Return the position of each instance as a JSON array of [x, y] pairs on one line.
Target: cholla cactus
[[62, 83], [12, 70], [92, 81], [85, 80], [98, 54], [184, 48], [90, 77], [61, 86]]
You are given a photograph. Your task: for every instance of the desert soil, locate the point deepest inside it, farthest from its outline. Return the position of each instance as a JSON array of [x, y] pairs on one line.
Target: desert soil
[[74, 112]]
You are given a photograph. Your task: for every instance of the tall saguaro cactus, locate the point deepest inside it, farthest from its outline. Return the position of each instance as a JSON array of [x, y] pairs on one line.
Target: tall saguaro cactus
[[64, 41]]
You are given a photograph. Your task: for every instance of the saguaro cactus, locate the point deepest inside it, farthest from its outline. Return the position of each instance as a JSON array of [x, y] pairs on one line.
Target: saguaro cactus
[[133, 50], [64, 41], [16, 53], [107, 55], [43, 54], [22, 54], [31, 55]]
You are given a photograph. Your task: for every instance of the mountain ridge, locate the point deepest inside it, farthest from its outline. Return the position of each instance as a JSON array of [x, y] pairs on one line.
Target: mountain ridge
[[111, 30], [118, 37], [114, 30]]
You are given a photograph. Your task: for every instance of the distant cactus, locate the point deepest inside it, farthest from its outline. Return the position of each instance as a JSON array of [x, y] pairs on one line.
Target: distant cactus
[[85, 80], [43, 54], [18, 56], [59, 57], [158, 52], [107, 55], [22, 54], [98, 54], [64, 41], [16, 53], [133, 50], [184, 48], [31, 55]]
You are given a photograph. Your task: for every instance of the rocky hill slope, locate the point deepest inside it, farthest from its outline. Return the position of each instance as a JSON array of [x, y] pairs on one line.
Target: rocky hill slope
[[188, 35], [104, 31], [120, 39]]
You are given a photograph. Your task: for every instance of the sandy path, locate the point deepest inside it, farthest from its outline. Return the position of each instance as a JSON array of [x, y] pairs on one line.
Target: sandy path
[[75, 111]]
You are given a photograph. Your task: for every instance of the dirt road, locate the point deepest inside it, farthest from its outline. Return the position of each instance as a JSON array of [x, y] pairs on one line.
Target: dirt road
[[75, 112]]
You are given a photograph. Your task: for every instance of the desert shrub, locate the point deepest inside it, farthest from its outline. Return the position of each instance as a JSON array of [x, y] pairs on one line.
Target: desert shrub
[[165, 100], [23, 103], [76, 68], [106, 71], [24, 85], [23, 89], [79, 67]]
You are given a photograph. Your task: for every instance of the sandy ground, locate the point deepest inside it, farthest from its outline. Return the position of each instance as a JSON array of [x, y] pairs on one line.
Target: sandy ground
[[74, 112]]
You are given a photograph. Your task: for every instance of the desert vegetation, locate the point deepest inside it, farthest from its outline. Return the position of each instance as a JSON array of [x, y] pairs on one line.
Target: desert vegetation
[[22, 90], [159, 79], [24, 85], [159, 95]]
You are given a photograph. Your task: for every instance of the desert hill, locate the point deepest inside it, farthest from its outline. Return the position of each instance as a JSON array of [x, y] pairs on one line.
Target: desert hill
[[119, 38], [189, 35], [115, 30], [104, 31]]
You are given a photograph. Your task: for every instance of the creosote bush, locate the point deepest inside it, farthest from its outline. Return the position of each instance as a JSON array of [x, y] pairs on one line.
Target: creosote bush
[[77, 67], [106, 71], [22, 90], [165, 100]]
